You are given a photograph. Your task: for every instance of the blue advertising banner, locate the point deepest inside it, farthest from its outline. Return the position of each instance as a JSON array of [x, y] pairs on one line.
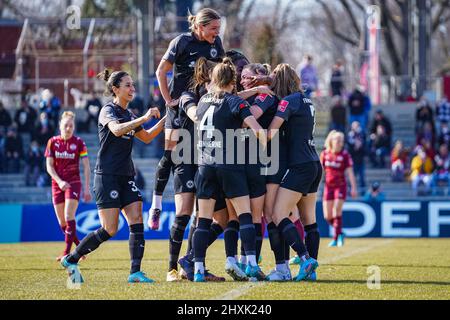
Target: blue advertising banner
[[386, 219], [10, 223]]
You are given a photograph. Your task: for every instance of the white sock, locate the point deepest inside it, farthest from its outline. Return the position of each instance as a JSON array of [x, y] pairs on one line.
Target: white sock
[[199, 267], [251, 260], [157, 202], [231, 260], [243, 259]]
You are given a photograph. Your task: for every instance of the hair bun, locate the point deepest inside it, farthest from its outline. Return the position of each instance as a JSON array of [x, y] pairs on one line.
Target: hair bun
[[228, 61], [104, 75]]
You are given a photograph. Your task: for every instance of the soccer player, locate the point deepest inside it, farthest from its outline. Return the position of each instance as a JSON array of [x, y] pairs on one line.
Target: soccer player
[[337, 162], [183, 52], [218, 111], [63, 154], [184, 174], [301, 181], [114, 185]]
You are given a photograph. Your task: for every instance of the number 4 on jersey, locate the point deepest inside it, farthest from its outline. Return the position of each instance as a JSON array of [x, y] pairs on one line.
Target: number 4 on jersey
[[208, 119]]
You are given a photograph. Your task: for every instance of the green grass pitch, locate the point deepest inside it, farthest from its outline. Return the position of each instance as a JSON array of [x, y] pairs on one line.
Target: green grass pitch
[[409, 269]]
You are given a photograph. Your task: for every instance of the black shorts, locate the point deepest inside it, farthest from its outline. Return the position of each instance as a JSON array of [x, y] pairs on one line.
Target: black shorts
[[183, 178], [172, 119], [256, 180], [115, 191], [220, 202], [304, 178], [212, 181], [278, 177]]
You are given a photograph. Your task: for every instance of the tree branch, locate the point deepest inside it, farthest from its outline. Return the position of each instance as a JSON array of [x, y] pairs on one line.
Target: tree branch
[[352, 17]]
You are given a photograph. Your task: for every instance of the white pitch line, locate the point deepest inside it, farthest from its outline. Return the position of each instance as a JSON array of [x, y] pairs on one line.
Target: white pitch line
[[240, 291]]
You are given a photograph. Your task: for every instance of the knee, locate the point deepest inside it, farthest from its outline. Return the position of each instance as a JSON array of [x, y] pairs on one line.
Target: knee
[[112, 230]]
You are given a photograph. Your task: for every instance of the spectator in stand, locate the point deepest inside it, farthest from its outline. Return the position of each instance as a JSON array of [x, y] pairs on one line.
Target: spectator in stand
[[444, 134], [443, 112], [338, 115], [374, 193], [51, 105], [421, 171], [356, 141], [337, 79], [441, 172], [25, 118], [93, 106], [308, 76], [381, 119], [13, 150], [357, 107], [379, 147], [5, 117], [424, 114], [426, 136], [34, 163], [399, 157], [44, 130]]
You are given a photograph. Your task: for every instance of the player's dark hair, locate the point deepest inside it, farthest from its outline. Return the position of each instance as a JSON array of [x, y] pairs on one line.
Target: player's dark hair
[[223, 75], [202, 73], [257, 68], [203, 17], [112, 80], [285, 81]]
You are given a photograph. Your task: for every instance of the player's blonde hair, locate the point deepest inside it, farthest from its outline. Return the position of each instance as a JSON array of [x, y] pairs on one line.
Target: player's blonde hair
[[286, 81], [68, 114], [330, 137], [223, 75], [203, 17]]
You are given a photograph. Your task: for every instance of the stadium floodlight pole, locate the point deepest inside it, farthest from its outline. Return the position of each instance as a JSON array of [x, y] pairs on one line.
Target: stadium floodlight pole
[[85, 53], [144, 15]]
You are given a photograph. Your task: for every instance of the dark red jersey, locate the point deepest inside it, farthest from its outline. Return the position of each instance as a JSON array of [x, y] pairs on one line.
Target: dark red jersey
[[66, 155], [335, 165]]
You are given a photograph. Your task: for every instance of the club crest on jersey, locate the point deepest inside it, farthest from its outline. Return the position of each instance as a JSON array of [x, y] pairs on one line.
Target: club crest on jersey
[[213, 52], [190, 184], [114, 194], [192, 64], [73, 147], [283, 105]]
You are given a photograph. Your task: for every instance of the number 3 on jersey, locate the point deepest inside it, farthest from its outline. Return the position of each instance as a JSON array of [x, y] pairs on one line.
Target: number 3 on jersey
[[207, 122]]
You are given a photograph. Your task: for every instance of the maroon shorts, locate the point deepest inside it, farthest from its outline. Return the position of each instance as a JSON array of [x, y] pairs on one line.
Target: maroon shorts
[[60, 196], [335, 193]]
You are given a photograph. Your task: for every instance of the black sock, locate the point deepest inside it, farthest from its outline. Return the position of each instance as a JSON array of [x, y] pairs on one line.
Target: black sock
[[200, 239], [231, 236], [191, 234], [176, 239], [163, 172], [287, 249], [259, 239], [312, 240], [248, 233], [91, 242], [214, 232], [276, 243], [137, 246], [290, 234]]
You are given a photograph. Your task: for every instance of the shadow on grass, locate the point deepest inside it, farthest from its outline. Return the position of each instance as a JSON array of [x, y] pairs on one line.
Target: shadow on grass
[[438, 283], [386, 265]]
